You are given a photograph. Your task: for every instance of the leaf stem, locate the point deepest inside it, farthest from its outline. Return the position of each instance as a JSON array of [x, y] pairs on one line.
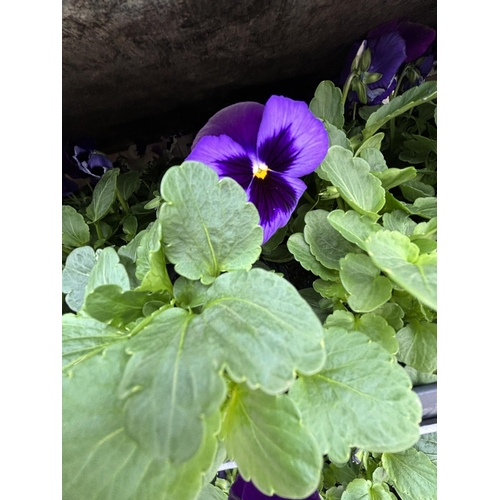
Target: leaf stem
[[98, 229], [123, 202]]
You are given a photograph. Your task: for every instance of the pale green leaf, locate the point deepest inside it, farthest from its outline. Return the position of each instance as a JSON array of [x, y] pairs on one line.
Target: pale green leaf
[[128, 183], [327, 104], [325, 242], [108, 270], [375, 159], [419, 378], [210, 492], [83, 337], [392, 313], [352, 177], [189, 293], [151, 265], [399, 105], [75, 231], [428, 444], [100, 460], [416, 189], [413, 474], [171, 383], [418, 345], [267, 439], [336, 136], [373, 326], [399, 259], [110, 304], [374, 142], [399, 221], [75, 276], [362, 489], [352, 226], [393, 177], [361, 278], [302, 253], [425, 229], [361, 398], [425, 207], [208, 225], [104, 195], [258, 325]]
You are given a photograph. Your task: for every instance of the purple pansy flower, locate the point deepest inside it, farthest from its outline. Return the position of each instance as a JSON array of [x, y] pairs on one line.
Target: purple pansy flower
[[245, 490], [265, 149], [391, 45]]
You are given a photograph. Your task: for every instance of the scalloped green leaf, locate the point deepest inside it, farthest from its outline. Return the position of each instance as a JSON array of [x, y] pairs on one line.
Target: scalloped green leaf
[[108, 270], [267, 439], [418, 345], [261, 329], [210, 492], [75, 231], [345, 406], [103, 196], [325, 242], [392, 313], [352, 226], [75, 275], [393, 177], [428, 444], [363, 489], [361, 278], [302, 253], [413, 474], [375, 159], [189, 293], [372, 325], [151, 264], [398, 220], [100, 460], [111, 304], [356, 184], [411, 98], [208, 224], [170, 384], [374, 142], [83, 337], [327, 104], [399, 259]]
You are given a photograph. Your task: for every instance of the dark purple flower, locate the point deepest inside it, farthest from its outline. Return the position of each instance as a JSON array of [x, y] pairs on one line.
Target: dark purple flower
[[265, 149], [391, 45], [245, 490]]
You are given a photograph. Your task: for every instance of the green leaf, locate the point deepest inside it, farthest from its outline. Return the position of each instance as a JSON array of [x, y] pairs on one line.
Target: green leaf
[[413, 474], [375, 159], [399, 258], [327, 104], [428, 444], [128, 183], [418, 378], [210, 492], [171, 384], [82, 337], [75, 276], [325, 242], [302, 253], [425, 229], [151, 265], [352, 226], [75, 231], [361, 278], [100, 460], [399, 221], [189, 293], [110, 304], [108, 270], [372, 325], [130, 225], [374, 142], [425, 207], [208, 225], [261, 329], [352, 177], [104, 195], [271, 446], [336, 136], [345, 406], [393, 177], [362, 489], [392, 313], [412, 190], [418, 345], [399, 105]]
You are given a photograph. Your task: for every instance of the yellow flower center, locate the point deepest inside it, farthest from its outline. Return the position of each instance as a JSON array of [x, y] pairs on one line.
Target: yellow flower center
[[260, 170]]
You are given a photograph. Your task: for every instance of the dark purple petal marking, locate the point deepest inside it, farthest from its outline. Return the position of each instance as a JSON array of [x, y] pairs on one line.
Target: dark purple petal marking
[[239, 121], [417, 37], [291, 139], [276, 198], [226, 157]]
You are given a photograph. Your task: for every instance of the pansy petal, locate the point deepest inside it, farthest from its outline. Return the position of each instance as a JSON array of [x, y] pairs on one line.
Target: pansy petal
[[417, 38], [275, 197], [291, 139], [245, 490], [226, 157], [239, 121], [388, 53]]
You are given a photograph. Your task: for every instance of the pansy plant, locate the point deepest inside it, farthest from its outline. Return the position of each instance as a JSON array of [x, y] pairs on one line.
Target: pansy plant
[[182, 349]]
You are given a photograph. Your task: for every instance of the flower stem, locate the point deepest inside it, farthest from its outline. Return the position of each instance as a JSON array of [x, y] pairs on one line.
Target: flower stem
[[123, 202], [98, 229], [347, 85]]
